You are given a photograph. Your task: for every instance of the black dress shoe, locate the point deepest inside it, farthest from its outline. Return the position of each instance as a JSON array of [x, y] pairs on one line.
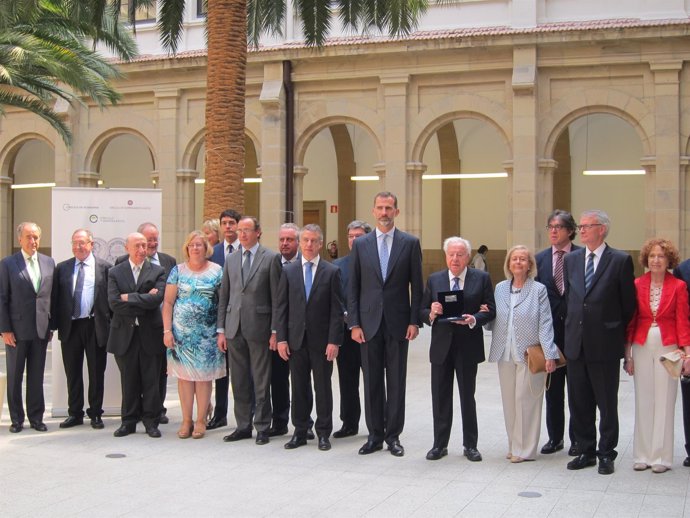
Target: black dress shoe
[[552, 447], [237, 435], [582, 461], [572, 451], [686, 462], [39, 426], [97, 423], [606, 466], [163, 419], [16, 427], [72, 421], [310, 434], [262, 438], [295, 442], [154, 432], [436, 453], [217, 422], [125, 430], [345, 431], [396, 449], [370, 447], [324, 444], [472, 454], [276, 431]]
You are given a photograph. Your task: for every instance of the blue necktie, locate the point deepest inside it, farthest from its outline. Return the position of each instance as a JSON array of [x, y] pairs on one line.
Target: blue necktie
[[589, 271], [307, 278], [383, 256], [456, 284]]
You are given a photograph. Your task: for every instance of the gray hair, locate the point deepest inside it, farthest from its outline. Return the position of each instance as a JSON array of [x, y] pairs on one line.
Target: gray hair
[[289, 226], [146, 225], [601, 217], [311, 227], [455, 240], [359, 224], [20, 227], [86, 231]]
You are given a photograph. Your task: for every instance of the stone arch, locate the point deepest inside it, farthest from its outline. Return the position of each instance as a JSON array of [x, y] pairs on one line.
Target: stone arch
[[9, 152], [95, 152], [305, 138]]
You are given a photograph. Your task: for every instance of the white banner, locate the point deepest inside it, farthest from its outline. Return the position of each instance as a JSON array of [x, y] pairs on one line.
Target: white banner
[[110, 214]]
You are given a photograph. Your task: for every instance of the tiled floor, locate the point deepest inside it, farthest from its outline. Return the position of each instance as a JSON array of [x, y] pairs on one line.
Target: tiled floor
[[70, 473]]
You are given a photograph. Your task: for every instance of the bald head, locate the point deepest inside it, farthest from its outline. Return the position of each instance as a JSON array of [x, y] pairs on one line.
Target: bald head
[[136, 247]]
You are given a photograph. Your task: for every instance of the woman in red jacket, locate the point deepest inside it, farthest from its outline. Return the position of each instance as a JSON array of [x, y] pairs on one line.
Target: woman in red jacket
[[659, 326]]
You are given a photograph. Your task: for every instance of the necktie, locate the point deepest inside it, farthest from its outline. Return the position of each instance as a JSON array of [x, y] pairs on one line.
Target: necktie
[[230, 249], [383, 255], [456, 284], [35, 273], [154, 260], [589, 271], [135, 272], [246, 265], [307, 278], [558, 271], [78, 289]]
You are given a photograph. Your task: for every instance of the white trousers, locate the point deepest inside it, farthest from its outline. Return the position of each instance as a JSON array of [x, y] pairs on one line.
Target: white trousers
[[522, 393], [655, 402]]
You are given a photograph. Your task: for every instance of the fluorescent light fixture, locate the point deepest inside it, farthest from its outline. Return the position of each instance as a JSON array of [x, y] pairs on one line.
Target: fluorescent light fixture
[[246, 180], [33, 185], [463, 176], [373, 178], [615, 172]]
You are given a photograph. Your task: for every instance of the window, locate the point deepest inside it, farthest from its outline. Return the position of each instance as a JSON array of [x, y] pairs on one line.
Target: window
[[142, 14], [201, 9]]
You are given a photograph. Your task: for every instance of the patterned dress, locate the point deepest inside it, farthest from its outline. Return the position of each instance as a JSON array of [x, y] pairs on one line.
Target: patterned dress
[[196, 356]]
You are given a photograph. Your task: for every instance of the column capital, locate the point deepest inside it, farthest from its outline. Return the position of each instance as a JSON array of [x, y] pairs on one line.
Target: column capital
[[187, 174], [648, 163], [5, 180], [508, 166], [416, 168], [547, 164], [300, 170], [380, 170], [667, 71]]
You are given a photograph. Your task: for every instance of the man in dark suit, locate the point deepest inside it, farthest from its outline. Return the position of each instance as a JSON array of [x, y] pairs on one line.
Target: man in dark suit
[[562, 230], [81, 316], [386, 288], [135, 293], [457, 346], [26, 281], [600, 297], [310, 332], [682, 271], [246, 329], [230, 243], [349, 357]]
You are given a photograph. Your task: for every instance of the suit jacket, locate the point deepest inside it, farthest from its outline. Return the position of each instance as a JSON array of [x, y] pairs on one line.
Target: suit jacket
[[167, 262], [315, 322], [253, 303], [23, 311], [558, 307], [141, 305], [63, 293], [597, 319], [477, 290], [532, 322], [399, 298], [218, 255], [671, 316], [343, 265], [682, 272]]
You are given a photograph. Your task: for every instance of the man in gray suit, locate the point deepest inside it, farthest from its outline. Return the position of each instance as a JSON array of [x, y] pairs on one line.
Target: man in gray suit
[[385, 298], [26, 281], [246, 328]]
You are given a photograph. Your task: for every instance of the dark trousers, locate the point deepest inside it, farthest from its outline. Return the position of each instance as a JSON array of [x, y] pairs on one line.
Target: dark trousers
[[304, 363], [685, 393], [349, 366], [384, 363], [280, 390], [31, 353], [139, 377], [593, 385], [222, 387], [555, 407], [442, 398], [82, 341]]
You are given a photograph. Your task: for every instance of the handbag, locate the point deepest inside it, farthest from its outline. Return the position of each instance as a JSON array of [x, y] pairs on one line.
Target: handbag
[[673, 362], [536, 362]]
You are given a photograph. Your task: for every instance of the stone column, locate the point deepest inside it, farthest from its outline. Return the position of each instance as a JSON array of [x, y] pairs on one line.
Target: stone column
[[299, 172], [273, 183], [415, 170], [6, 209], [547, 168], [666, 219], [186, 207], [648, 163], [684, 240], [524, 188], [88, 178]]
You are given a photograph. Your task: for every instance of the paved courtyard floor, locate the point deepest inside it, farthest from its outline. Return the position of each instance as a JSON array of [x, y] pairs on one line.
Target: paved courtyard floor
[[86, 472]]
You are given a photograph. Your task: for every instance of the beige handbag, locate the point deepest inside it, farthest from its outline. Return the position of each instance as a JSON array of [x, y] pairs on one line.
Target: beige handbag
[[673, 362], [536, 362]]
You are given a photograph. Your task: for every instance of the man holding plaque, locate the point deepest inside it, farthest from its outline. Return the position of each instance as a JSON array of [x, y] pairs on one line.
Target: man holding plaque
[[452, 306]]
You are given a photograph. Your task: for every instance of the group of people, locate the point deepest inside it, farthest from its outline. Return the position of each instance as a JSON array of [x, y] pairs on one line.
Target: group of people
[[236, 313]]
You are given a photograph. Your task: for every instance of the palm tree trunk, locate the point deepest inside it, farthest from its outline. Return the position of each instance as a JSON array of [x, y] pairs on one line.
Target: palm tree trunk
[[225, 97]]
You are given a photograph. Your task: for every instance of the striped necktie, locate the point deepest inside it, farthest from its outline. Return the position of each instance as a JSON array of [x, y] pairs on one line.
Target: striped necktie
[[589, 270], [558, 271]]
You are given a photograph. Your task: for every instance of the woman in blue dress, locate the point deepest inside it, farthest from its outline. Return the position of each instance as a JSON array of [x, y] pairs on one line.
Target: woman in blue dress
[[189, 319]]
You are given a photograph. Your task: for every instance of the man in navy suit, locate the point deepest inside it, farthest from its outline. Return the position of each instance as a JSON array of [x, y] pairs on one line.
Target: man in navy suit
[[601, 300], [386, 288], [26, 282], [562, 230], [228, 223], [457, 347], [310, 332], [82, 317], [349, 357]]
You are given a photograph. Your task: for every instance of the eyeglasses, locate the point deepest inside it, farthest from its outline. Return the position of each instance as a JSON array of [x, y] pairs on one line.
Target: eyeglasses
[[555, 227], [196, 245], [580, 228], [80, 244], [245, 230]]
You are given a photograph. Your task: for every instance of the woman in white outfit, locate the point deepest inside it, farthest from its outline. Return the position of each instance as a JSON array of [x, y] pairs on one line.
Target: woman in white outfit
[[523, 318]]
